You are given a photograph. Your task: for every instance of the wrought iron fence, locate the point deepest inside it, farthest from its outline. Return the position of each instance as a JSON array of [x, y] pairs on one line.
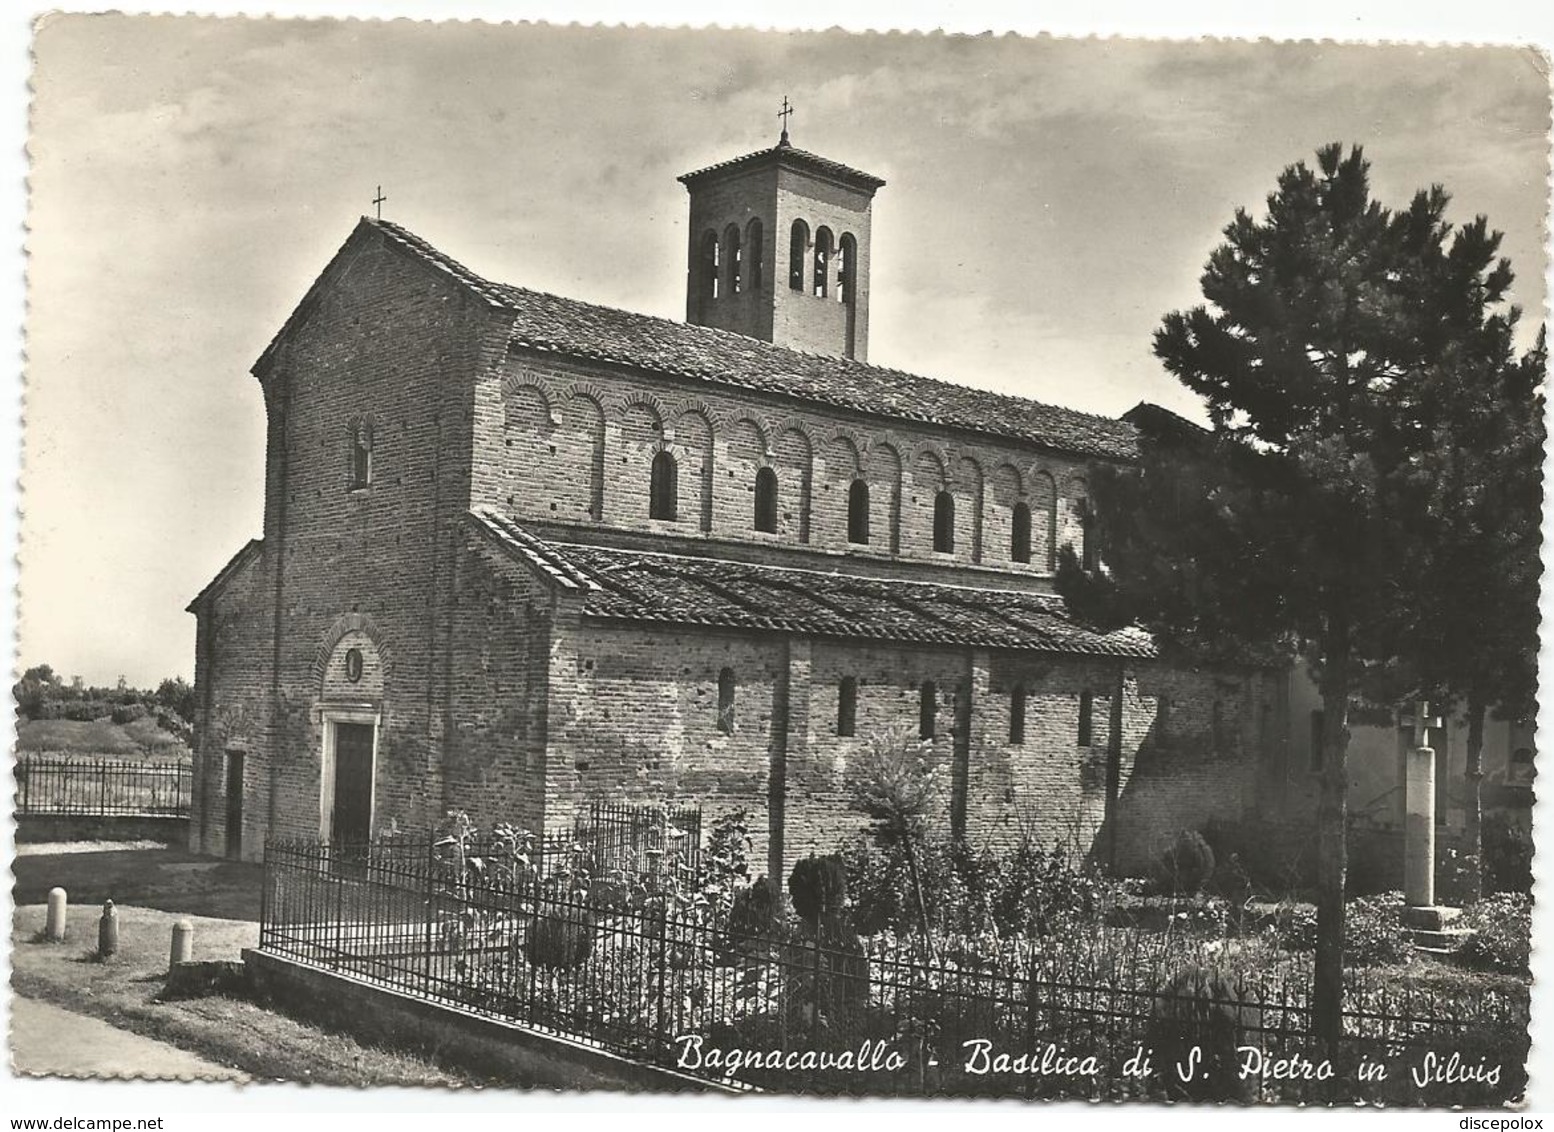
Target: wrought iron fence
[[643, 967], [84, 787]]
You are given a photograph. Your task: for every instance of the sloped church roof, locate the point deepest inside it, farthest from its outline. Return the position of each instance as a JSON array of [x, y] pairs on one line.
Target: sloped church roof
[[550, 323], [621, 584]]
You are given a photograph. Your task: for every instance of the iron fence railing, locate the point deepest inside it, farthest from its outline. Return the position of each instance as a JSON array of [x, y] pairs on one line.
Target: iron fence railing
[[653, 969], [86, 787]]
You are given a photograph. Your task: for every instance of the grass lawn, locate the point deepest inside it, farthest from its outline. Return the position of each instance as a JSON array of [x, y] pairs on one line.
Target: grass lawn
[[169, 879], [123, 991], [140, 740]]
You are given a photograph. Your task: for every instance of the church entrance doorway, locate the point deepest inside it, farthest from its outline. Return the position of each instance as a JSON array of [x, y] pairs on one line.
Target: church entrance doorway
[[352, 818], [235, 804], [345, 820]]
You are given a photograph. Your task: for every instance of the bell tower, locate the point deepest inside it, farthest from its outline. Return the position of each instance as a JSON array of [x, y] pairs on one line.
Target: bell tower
[[779, 250]]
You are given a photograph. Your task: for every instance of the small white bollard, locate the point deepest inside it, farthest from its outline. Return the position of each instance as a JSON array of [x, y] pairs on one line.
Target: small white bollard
[[54, 924], [183, 943]]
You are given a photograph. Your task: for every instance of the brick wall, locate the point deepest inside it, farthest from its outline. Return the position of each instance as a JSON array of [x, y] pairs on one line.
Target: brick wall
[[560, 443], [387, 342]]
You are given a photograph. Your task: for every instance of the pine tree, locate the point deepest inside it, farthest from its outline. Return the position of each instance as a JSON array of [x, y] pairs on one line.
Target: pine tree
[[1297, 524]]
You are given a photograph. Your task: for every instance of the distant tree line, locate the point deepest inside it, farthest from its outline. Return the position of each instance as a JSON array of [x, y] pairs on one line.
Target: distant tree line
[[41, 693]]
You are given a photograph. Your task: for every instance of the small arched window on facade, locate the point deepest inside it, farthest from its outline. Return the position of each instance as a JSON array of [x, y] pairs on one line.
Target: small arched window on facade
[[1017, 715], [361, 455], [732, 260], [944, 523], [927, 710], [708, 265], [847, 270], [755, 250], [1020, 534], [663, 490], [798, 255], [847, 706], [858, 513], [726, 701], [822, 262], [766, 500], [1086, 718]]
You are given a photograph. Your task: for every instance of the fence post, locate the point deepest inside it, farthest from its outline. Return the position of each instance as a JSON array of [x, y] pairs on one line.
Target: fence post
[[266, 878], [431, 909]]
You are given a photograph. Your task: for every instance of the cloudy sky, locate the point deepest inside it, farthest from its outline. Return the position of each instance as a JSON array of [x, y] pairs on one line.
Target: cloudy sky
[[1047, 202]]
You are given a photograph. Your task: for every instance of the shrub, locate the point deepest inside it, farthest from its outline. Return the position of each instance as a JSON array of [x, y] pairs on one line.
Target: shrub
[[754, 910], [818, 887], [1502, 939], [560, 938], [1200, 1006], [1186, 866], [1038, 891], [1373, 930], [1507, 854], [879, 888], [129, 713]]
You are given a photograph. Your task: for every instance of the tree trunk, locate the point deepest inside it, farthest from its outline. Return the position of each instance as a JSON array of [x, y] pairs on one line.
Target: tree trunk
[[1473, 805], [917, 889], [1332, 848]]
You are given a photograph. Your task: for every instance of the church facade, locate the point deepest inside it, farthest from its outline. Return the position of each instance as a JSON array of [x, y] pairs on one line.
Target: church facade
[[521, 552]]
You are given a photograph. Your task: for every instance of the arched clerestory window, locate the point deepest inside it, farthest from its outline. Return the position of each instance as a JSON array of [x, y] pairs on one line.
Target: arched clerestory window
[[1017, 715], [798, 255], [707, 267], [663, 490], [732, 260], [944, 523], [1020, 535], [766, 500], [1089, 544], [927, 710], [755, 250], [858, 513], [847, 706], [823, 247], [847, 271]]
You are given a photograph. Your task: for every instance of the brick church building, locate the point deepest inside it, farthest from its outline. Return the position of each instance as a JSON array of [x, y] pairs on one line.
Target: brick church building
[[521, 552]]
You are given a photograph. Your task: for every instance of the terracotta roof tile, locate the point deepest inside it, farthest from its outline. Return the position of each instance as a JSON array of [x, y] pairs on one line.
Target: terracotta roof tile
[[551, 324], [634, 585]]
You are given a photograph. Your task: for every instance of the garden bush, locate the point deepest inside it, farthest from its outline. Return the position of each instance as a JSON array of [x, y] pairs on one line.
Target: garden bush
[[818, 888], [753, 913], [1507, 854], [560, 938], [1186, 865], [1027, 890], [128, 713], [1373, 930], [1201, 1006], [1503, 934]]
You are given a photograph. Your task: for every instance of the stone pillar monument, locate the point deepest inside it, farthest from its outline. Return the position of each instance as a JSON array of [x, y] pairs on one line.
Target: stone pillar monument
[[1427, 923], [1419, 813]]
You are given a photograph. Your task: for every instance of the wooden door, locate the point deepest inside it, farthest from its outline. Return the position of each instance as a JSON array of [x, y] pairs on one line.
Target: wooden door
[[352, 819]]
